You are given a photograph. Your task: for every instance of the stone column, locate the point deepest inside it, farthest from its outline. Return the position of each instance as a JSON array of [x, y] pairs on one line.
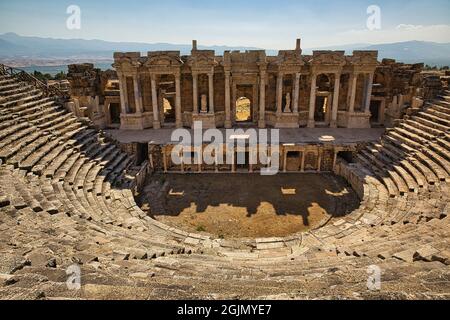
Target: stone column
[[179, 120], [262, 100], [216, 162], [296, 92], [312, 102], [334, 160], [335, 108], [227, 101], [285, 160], [368, 93], [302, 166], [181, 156], [199, 158], [352, 92], [156, 123], [165, 159], [123, 94], [233, 164], [319, 161], [195, 92], [150, 156], [279, 94], [137, 94], [211, 92]]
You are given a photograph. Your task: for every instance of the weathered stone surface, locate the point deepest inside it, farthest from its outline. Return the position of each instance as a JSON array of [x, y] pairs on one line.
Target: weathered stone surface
[[67, 206]]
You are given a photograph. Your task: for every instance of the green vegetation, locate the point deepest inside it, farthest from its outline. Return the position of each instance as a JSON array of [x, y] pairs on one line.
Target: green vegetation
[[436, 68], [44, 77], [201, 229]]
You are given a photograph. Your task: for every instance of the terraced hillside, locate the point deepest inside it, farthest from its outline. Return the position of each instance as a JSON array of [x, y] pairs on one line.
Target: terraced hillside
[[65, 198]]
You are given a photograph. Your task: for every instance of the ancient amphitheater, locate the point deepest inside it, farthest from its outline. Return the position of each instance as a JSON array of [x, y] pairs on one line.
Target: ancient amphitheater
[[67, 196]]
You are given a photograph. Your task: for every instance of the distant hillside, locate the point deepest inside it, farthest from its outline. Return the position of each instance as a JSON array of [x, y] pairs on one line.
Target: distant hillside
[[416, 51], [431, 53], [13, 46]]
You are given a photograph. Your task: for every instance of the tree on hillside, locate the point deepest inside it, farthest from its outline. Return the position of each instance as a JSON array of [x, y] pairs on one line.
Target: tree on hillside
[[60, 76]]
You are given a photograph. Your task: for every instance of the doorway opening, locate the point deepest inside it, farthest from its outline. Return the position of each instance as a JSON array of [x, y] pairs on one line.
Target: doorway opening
[[293, 160], [169, 110], [375, 111], [141, 153], [243, 110], [321, 109], [346, 155], [114, 112]]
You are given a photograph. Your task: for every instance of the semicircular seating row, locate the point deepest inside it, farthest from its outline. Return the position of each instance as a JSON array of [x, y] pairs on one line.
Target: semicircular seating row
[[66, 195]]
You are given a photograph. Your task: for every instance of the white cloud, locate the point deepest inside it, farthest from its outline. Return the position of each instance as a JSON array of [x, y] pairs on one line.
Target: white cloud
[[408, 27]]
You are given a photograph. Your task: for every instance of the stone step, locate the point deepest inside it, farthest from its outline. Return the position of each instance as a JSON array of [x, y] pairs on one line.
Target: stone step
[[436, 119], [431, 123], [420, 126]]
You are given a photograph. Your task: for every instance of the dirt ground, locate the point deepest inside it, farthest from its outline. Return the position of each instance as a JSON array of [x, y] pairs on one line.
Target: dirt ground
[[247, 205]]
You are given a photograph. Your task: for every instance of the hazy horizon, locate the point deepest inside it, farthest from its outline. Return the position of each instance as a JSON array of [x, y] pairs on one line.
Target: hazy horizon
[[218, 44]]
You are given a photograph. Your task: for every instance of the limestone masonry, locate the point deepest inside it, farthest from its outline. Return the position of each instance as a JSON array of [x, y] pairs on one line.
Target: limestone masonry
[[72, 166], [291, 90]]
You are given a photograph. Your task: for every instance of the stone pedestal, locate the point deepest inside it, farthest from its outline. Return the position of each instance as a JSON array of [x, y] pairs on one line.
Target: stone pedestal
[[208, 120], [311, 123], [358, 120], [131, 122], [287, 120]]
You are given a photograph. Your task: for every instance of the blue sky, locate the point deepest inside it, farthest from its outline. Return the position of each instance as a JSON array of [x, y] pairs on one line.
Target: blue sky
[[259, 23]]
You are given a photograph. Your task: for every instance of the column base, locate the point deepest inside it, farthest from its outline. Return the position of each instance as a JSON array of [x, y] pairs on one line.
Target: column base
[[261, 124], [311, 123], [179, 124], [333, 124], [228, 124], [156, 125]]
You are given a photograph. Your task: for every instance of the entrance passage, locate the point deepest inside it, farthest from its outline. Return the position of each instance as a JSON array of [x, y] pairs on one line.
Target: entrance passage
[[243, 110], [114, 112], [169, 111], [321, 109], [375, 111], [245, 205]]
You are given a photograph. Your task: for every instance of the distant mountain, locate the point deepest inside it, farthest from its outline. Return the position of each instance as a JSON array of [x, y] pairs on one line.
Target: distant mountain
[[13, 46], [431, 53]]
